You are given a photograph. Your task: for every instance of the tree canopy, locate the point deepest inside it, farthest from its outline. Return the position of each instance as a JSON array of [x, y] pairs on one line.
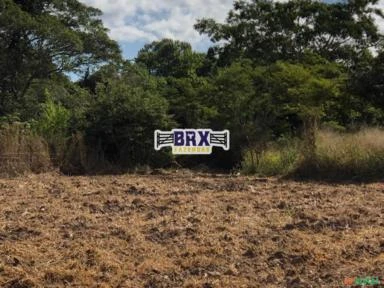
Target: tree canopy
[[276, 70], [170, 58], [41, 38], [267, 30]]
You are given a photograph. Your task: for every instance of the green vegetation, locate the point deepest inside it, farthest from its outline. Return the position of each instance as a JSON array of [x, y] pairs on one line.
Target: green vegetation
[[53, 126], [276, 70], [338, 156], [280, 158]]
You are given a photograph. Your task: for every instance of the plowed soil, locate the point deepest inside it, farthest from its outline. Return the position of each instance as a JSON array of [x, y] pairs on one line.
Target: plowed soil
[[187, 230]]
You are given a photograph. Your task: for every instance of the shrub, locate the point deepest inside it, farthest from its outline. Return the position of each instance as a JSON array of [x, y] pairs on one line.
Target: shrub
[[53, 125], [122, 124], [277, 159], [76, 158]]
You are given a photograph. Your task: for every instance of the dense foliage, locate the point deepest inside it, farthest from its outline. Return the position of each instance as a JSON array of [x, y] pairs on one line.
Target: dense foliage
[[276, 70]]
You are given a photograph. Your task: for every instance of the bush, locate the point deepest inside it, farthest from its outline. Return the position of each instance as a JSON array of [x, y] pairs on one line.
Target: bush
[[76, 159], [53, 125], [278, 159], [122, 124]]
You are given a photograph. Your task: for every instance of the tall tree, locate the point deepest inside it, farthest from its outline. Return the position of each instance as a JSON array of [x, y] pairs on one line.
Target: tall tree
[[40, 38], [267, 30], [368, 82], [307, 91], [170, 58]]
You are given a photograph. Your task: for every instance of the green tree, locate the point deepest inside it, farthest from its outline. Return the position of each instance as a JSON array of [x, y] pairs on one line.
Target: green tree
[[267, 30], [131, 74], [122, 122], [260, 104], [368, 82], [170, 58], [306, 91], [189, 105], [243, 107], [41, 38]]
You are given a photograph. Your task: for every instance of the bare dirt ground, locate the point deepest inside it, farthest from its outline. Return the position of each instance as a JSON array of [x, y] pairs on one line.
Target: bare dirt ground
[[187, 230]]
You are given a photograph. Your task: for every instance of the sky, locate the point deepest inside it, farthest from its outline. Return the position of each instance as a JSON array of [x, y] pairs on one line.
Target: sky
[[134, 23]]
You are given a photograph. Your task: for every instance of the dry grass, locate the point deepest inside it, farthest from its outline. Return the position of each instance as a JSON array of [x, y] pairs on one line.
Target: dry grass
[[338, 156], [21, 151], [348, 156], [367, 141], [187, 230]]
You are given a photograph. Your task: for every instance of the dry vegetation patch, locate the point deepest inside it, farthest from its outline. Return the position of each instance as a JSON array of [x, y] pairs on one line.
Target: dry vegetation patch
[[187, 230]]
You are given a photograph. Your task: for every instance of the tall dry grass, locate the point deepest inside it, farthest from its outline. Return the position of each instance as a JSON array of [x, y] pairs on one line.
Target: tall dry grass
[[22, 151], [25, 150], [357, 156], [353, 156]]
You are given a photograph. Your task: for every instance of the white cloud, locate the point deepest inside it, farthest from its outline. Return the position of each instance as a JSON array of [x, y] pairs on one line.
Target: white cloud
[[130, 33], [130, 21], [147, 20], [379, 20]]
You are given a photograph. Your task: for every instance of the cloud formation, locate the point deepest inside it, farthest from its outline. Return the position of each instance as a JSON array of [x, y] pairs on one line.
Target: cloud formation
[[147, 20], [379, 20], [132, 21]]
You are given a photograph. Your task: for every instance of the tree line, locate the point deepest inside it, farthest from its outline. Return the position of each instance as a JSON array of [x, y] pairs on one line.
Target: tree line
[[275, 70]]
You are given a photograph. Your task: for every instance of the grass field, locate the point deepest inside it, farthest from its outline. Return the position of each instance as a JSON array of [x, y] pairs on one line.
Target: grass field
[[187, 230]]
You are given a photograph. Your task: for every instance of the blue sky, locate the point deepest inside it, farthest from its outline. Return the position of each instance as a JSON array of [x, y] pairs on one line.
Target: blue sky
[[133, 23], [130, 49]]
